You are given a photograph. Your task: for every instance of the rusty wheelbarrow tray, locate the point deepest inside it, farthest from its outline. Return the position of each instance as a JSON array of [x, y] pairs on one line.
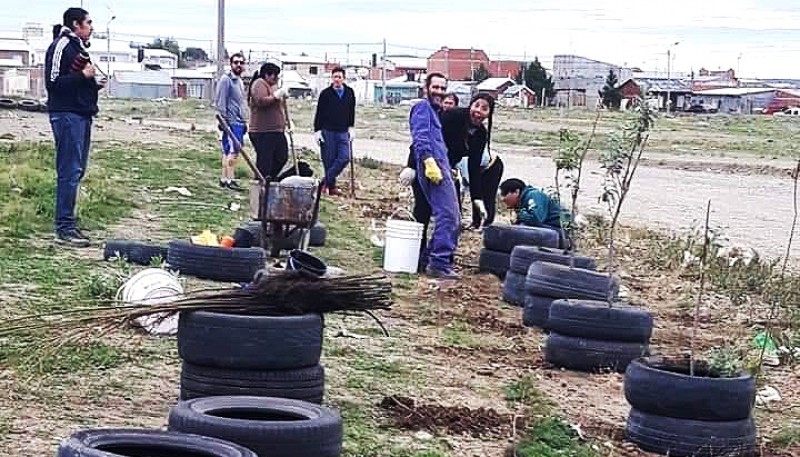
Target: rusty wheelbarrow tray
[[283, 208]]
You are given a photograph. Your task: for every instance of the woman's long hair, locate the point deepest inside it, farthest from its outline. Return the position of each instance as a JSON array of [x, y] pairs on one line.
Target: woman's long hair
[[266, 69], [490, 100]]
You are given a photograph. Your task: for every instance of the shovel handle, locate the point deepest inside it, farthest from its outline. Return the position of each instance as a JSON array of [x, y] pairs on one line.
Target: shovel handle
[[226, 127]]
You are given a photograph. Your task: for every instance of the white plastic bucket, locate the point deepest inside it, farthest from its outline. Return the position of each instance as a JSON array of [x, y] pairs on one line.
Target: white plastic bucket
[[401, 245], [150, 287]]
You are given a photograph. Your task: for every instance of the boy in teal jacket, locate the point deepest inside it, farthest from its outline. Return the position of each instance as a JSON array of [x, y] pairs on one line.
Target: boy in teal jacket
[[534, 207]]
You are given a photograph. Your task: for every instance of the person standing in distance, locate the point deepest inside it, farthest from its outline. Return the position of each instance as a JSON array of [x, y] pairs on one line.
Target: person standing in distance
[[334, 128], [268, 120], [71, 103], [435, 178], [229, 104]]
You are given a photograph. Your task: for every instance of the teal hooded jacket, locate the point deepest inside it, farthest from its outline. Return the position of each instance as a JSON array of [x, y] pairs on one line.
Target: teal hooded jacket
[[538, 209]]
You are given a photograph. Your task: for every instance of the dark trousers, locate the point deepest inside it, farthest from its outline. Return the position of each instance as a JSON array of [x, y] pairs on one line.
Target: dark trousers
[[72, 133], [422, 214], [490, 179], [272, 152], [335, 154]]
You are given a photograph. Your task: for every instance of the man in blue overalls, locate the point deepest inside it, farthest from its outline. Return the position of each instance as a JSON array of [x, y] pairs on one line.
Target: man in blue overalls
[[435, 178]]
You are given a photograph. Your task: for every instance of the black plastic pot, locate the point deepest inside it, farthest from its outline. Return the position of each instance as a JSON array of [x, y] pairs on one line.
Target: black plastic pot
[[302, 261]]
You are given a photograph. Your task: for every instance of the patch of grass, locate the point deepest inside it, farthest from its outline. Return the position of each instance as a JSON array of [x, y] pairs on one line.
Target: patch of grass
[[788, 437], [346, 246], [460, 335], [69, 358], [28, 187], [369, 372], [553, 437], [525, 392]]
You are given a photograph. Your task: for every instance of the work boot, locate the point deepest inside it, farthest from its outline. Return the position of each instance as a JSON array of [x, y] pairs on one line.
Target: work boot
[[334, 192], [446, 273], [72, 238]]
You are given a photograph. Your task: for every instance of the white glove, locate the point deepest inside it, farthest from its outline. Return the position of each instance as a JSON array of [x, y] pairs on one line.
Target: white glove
[[281, 93], [352, 132], [481, 208], [318, 137], [407, 176]]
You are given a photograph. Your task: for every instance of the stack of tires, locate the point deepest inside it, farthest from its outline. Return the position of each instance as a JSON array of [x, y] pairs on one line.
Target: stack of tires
[[500, 240], [137, 252], [249, 235], [522, 257], [590, 335], [676, 414], [261, 356]]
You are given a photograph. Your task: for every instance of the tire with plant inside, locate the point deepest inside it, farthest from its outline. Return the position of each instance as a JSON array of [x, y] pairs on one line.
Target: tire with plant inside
[[505, 238], [215, 263], [561, 281], [250, 342], [583, 354], [691, 438], [271, 427], [536, 311], [141, 442], [494, 262], [514, 289], [134, 251], [523, 256], [657, 386], [307, 384], [596, 320]]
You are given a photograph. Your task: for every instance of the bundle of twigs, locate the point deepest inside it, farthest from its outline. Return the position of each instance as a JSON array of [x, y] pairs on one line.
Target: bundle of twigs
[[283, 294]]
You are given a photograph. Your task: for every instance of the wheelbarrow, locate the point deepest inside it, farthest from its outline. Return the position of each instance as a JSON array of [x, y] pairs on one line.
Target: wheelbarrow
[[287, 210]]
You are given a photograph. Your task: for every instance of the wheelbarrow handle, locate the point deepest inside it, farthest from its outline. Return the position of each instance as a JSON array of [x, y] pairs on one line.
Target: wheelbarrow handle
[[226, 127]]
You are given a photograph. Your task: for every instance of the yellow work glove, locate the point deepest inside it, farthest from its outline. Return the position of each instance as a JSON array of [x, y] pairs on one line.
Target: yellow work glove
[[432, 171]]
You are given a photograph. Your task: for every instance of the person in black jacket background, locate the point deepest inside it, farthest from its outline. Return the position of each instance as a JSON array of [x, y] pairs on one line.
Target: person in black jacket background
[[333, 128], [71, 103]]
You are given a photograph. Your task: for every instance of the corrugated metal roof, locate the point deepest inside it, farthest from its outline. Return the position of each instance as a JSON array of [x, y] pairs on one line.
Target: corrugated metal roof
[[155, 78], [660, 85], [12, 44], [735, 91], [493, 83], [187, 73]]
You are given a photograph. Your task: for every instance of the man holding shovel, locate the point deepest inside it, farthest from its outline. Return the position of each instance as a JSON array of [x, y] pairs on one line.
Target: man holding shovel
[[333, 128], [230, 105]]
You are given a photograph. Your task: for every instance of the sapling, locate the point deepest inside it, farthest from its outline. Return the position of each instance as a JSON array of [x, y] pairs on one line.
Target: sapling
[[569, 161], [620, 163]]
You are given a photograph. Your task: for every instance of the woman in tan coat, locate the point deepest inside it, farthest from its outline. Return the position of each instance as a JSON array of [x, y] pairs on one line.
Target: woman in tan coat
[[267, 120]]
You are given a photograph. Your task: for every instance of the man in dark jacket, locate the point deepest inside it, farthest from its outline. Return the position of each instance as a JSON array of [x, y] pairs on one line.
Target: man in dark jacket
[[333, 128], [72, 102]]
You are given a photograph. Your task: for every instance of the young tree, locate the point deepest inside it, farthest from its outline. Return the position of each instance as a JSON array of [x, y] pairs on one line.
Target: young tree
[[535, 76], [611, 93], [481, 74]]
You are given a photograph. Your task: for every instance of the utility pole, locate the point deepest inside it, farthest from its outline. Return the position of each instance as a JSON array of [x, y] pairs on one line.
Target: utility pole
[[220, 41], [669, 81], [347, 62], [383, 73]]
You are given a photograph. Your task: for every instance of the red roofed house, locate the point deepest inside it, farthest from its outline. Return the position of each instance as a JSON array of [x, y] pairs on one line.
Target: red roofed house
[[458, 64]]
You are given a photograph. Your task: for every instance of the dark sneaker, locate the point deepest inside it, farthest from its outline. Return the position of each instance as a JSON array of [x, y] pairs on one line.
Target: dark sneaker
[[334, 192], [441, 274], [223, 183], [233, 185], [72, 238]]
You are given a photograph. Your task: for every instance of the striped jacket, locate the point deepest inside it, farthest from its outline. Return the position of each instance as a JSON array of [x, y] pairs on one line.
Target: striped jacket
[[68, 90]]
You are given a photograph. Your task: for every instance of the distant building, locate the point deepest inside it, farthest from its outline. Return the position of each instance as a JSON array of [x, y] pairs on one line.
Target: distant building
[[578, 80], [409, 67], [146, 84], [736, 100], [657, 88], [188, 83], [457, 64]]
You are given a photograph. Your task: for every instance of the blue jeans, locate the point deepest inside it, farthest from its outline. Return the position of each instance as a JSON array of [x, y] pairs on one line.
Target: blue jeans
[[335, 155], [72, 133]]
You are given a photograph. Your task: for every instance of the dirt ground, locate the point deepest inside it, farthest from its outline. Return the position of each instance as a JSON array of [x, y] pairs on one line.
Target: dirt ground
[[459, 343], [750, 194]]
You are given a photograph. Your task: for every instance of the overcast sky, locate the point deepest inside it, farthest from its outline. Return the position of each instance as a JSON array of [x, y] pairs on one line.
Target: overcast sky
[[712, 33]]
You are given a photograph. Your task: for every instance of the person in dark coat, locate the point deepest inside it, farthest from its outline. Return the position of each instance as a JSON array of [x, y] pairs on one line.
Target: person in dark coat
[[334, 130], [71, 103]]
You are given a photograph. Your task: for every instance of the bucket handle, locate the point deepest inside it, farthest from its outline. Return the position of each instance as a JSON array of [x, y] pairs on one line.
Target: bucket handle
[[402, 210]]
